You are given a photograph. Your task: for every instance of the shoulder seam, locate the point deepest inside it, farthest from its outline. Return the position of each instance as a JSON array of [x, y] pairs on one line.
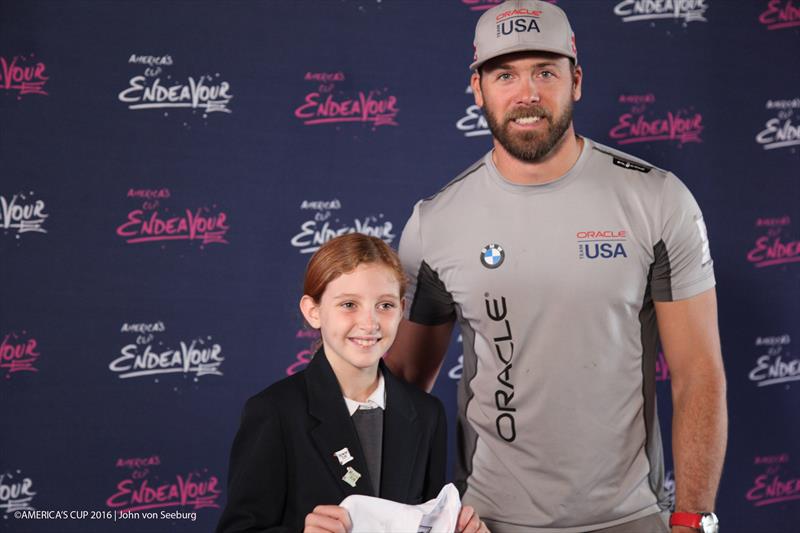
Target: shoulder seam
[[627, 157], [472, 168]]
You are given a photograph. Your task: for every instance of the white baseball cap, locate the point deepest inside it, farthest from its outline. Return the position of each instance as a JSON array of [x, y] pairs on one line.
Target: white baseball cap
[[523, 26]]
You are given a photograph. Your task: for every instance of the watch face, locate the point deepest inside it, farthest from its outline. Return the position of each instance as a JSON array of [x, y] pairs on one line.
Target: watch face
[[709, 523]]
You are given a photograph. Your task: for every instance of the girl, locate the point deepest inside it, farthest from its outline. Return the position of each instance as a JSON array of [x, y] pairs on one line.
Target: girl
[[344, 425]]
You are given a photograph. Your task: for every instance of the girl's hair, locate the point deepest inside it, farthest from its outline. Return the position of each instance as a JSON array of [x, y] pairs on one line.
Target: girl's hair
[[342, 255]]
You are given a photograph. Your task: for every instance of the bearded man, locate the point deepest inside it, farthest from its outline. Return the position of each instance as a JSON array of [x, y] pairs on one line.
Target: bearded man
[[564, 261]]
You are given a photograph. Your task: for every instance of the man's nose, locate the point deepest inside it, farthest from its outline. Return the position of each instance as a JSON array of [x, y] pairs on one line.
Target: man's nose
[[528, 92]]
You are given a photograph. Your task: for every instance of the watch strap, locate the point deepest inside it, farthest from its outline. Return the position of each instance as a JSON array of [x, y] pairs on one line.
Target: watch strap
[[693, 520]]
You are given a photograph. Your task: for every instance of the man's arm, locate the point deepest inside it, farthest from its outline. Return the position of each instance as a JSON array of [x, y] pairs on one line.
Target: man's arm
[[690, 338], [418, 352]]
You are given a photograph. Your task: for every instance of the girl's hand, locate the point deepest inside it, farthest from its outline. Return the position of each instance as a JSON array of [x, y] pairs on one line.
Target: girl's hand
[[470, 522], [328, 519]]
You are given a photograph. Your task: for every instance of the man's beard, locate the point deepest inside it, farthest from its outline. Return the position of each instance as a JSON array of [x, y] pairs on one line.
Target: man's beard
[[529, 146]]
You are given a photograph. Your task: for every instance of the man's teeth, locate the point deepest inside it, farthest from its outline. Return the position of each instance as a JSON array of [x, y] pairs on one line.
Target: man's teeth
[[527, 120], [365, 342]]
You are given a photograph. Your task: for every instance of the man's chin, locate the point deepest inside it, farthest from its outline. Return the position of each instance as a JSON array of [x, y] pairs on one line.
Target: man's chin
[[528, 150]]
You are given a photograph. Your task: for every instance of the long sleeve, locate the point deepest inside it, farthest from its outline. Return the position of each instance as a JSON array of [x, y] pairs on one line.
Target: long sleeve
[[257, 478]]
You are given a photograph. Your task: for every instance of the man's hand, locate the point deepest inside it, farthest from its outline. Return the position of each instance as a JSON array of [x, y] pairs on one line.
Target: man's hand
[[470, 522], [328, 519]]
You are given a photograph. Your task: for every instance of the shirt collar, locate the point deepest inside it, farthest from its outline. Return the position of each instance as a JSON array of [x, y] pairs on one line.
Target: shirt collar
[[376, 399]]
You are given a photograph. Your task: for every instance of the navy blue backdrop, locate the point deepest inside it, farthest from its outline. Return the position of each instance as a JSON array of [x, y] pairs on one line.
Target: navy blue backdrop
[[166, 168]]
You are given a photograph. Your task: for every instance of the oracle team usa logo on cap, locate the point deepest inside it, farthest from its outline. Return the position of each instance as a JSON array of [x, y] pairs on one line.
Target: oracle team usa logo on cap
[[517, 20], [492, 255]]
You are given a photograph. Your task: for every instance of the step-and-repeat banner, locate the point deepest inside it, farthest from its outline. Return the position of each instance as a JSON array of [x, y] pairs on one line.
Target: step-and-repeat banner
[[167, 168]]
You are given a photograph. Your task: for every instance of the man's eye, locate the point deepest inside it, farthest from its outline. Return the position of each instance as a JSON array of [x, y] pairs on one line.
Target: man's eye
[[504, 76], [546, 74]]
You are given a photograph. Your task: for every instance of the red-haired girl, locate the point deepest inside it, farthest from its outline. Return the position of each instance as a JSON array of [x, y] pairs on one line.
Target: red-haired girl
[[344, 425]]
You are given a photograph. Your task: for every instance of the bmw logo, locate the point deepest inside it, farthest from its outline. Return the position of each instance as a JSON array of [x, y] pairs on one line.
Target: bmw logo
[[492, 256]]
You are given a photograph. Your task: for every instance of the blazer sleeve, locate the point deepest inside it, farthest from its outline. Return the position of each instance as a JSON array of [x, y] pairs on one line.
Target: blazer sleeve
[[437, 458], [257, 477]]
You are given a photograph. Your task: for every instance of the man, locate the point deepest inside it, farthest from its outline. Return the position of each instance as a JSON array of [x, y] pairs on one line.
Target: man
[[563, 260]]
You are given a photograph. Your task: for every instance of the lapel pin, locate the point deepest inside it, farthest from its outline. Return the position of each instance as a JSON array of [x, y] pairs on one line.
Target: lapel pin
[[344, 456], [351, 477]]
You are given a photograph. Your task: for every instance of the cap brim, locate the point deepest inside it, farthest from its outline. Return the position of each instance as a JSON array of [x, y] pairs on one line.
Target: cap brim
[[522, 48]]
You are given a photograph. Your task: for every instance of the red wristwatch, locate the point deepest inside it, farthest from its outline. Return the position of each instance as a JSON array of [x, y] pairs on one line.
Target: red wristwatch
[[704, 522]]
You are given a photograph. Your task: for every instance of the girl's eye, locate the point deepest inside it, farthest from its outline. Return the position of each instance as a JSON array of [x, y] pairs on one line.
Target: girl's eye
[[386, 306], [348, 305]]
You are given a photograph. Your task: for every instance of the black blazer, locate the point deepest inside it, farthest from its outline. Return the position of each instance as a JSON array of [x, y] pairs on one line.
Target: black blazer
[[283, 464]]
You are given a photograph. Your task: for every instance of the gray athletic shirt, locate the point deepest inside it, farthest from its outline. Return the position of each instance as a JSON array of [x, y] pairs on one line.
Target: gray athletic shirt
[[553, 286]]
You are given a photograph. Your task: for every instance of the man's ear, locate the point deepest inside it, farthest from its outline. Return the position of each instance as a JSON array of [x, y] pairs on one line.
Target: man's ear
[[576, 84], [310, 311], [475, 83]]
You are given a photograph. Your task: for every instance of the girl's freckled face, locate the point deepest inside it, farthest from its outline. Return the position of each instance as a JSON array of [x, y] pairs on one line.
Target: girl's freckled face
[[358, 315]]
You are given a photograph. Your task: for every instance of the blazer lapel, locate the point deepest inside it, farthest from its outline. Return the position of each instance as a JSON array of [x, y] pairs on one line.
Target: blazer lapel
[[335, 431], [400, 440]]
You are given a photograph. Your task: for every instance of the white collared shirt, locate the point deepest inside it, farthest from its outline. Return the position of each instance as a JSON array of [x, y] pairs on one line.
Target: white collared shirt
[[376, 399]]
